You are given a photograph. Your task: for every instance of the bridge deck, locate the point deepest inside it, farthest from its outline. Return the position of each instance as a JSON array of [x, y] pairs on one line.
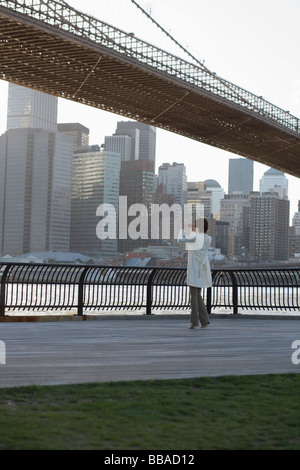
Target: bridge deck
[[55, 60], [141, 348]]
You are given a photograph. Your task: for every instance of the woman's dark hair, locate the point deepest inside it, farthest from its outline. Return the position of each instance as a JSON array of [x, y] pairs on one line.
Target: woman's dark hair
[[202, 225]]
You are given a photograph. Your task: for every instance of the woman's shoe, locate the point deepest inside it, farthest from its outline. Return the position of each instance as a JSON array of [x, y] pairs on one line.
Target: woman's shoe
[[191, 327], [204, 326]]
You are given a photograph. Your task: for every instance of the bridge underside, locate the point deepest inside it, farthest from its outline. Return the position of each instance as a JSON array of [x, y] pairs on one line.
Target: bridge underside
[[54, 61]]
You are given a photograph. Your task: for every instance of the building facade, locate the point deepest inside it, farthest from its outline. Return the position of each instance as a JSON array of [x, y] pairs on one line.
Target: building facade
[[240, 176], [96, 177], [221, 234], [136, 184], [121, 144], [217, 195], [274, 180], [143, 139], [296, 220], [174, 178], [80, 133], [35, 195], [197, 194], [29, 108], [233, 211], [269, 225]]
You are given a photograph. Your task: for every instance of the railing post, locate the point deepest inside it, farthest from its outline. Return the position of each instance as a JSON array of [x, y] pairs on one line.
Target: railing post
[[149, 293], [80, 292], [234, 293], [208, 300], [209, 293], [2, 291]]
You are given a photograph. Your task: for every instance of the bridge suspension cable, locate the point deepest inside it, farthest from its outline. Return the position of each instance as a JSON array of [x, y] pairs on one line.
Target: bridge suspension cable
[[169, 35], [199, 63]]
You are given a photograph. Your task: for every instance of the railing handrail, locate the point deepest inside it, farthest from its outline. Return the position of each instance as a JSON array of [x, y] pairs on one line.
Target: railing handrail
[[104, 266], [39, 286]]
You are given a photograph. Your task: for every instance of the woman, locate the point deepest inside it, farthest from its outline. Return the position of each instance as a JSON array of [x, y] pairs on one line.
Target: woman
[[198, 270]]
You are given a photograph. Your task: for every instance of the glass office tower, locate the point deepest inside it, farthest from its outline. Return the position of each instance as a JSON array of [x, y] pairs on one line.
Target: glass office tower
[[31, 108], [143, 139], [96, 177], [35, 176], [35, 195], [240, 178]]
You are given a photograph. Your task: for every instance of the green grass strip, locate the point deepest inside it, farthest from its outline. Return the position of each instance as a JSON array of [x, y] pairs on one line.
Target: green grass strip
[[232, 412]]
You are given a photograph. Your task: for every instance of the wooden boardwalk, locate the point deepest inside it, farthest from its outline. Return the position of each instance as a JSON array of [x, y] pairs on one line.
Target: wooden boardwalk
[[140, 348]]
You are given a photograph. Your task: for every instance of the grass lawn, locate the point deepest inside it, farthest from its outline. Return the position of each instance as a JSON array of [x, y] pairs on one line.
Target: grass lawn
[[248, 412]]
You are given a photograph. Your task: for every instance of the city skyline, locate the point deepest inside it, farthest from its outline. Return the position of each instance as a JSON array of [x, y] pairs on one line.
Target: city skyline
[[38, 190], [250, 53]]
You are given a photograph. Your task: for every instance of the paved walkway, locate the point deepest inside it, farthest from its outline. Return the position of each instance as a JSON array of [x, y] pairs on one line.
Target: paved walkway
[[133, 348]]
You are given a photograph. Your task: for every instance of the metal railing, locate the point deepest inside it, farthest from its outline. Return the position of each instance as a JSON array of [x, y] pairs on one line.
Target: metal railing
[[78, 288], [60, 14]]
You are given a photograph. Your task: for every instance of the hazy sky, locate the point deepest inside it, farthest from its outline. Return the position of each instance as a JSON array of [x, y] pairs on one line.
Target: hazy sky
[[254, 44]]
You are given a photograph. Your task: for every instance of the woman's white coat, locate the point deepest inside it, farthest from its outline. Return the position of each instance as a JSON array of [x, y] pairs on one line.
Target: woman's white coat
[[198, 269]]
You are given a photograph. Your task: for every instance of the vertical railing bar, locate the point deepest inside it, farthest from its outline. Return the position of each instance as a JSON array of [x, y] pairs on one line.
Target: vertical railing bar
[[149, 292], [80, 292], [3, 290], [234, 292]]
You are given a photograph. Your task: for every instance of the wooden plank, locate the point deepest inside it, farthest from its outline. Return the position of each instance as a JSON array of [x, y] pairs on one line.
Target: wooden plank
[[141, 348]]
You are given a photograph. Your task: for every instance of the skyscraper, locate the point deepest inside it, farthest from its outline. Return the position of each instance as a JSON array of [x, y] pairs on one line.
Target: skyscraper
[[217, 195], [296, 220], [269, 224], [233, 211], [222, 237], [143, 139], [121, 144], [35, 196], [274, 179], [35, 176], [197, 194], [96, 176], [79, 133], [29, 108], [136, 183], [174, 178], [240, 177], [294, 235]]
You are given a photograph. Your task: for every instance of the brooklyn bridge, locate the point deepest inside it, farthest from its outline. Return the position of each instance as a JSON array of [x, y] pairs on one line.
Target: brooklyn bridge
[[51, 47]]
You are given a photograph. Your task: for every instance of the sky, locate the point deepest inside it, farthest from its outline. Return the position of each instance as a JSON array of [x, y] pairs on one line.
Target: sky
[[253, 44]]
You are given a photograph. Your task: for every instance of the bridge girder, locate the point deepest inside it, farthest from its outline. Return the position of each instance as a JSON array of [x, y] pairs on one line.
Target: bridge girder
[[52, 60]]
